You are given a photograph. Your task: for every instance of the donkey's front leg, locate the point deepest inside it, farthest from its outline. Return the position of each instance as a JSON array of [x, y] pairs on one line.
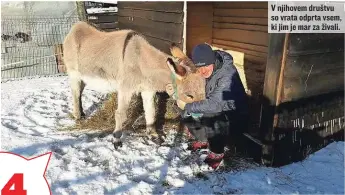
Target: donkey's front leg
[[150, 111], [123, 100]]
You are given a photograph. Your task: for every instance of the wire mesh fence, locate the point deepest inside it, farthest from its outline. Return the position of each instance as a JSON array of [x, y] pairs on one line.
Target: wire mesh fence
[[30, 44]]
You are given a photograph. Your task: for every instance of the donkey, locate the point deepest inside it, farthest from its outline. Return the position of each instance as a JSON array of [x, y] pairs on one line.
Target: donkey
[[126, 63]]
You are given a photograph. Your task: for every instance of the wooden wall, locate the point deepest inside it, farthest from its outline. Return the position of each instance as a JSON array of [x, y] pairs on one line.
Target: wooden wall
[[313, 83], [314, 65], [160, 22], [303, 107], [104, 21], [199, 24], [107, 21], [242, 27]]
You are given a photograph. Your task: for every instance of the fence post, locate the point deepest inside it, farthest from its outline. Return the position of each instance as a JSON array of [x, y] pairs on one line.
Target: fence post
[[58, 51], [81, 10]]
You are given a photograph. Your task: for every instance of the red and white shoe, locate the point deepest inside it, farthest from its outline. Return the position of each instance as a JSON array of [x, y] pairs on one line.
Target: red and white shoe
[[214, 160], [197, 145]]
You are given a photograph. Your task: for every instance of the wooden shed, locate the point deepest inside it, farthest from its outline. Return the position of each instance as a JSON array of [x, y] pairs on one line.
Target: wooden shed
[[295, 81]]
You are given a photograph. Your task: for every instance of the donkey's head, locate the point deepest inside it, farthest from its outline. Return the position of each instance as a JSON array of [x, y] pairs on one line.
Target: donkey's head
[[189, 86]]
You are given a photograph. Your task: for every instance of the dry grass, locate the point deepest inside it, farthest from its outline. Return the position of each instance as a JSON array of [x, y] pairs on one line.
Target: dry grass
[[104, 118]]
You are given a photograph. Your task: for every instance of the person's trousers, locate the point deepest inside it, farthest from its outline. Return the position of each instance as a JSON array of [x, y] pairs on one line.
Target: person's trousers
[[212, 129]]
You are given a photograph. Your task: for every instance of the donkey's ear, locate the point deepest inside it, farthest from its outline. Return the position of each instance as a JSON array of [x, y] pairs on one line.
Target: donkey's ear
[[184, 61], [179, 71], [177, 52]]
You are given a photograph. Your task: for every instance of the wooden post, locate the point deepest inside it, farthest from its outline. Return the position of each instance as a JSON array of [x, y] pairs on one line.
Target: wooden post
[[277, 51], [58, 51], [184, 37], [280, 79], [81, 10]]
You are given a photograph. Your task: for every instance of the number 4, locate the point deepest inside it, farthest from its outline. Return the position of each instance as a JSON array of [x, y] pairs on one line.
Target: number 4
[[18, 181]]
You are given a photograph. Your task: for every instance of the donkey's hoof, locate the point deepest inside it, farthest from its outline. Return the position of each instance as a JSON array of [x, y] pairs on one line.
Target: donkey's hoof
[[117, 144], [118, 135], [157, 140], [150, 130], [117, 139], [78, 116]]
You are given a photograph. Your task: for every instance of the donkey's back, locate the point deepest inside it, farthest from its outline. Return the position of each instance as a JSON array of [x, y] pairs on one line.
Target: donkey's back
[[93, 53]]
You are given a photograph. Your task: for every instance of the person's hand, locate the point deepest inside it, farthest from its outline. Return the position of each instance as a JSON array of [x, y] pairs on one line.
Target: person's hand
[[181, 104], [169, 88]]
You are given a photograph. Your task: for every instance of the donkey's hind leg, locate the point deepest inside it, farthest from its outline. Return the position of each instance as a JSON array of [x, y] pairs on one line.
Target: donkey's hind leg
[[77, 86], [123, 101]]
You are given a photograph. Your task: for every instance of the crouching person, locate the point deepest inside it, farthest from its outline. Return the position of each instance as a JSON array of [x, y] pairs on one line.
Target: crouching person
[[224, 110]]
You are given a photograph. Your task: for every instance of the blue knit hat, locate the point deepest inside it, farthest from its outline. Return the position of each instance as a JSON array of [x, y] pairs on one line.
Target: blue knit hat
[[203, 55]]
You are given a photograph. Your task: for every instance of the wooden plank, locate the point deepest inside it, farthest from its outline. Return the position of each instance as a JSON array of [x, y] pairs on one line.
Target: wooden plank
[[247, 13], [81, 10], [243, 36], [308, 43], [217, 25], [312, 111], [156, 6], [166, 31], [199, 5], [199, 14], [238, 57], [199, 31], [91, 4], [102, 18], [312, 85], [199, 24], [237, 20], [200, 20], [245, 51], [161, 44], [203, 37], [153, 15], [110, 29], [107, 25], [248, 55], [241, 5], [58, 51], [262, 49], [300, 66], [272, 73], [255, 59], [254, 66], [253, 75]]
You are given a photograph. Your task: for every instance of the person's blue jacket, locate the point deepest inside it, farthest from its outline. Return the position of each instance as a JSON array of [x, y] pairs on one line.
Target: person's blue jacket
[[224, 89]]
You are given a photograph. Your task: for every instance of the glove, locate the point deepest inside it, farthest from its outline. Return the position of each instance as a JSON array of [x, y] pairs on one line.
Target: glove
[[181, 104], [196, 115]]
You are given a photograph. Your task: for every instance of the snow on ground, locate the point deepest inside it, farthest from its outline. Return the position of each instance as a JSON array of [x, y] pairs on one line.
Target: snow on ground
[[33, 110]]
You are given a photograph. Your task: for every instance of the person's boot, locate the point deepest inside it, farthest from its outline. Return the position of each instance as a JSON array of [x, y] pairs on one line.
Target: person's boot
[[197, 145], [214, 160]]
